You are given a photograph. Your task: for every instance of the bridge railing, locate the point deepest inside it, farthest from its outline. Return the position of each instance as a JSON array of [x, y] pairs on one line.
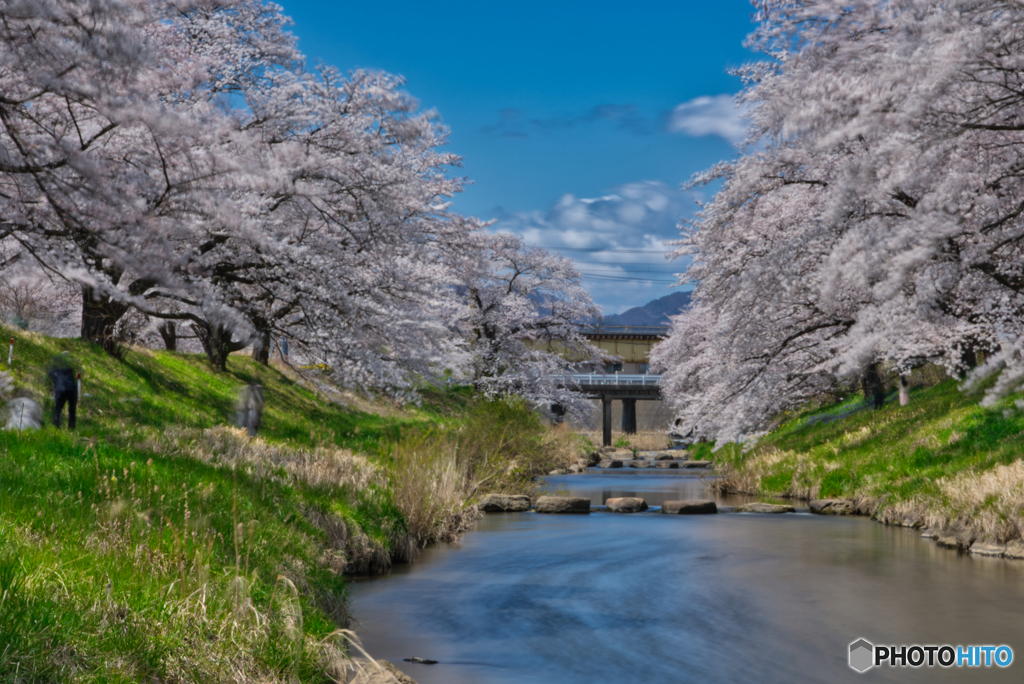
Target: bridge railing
[[617, 379]]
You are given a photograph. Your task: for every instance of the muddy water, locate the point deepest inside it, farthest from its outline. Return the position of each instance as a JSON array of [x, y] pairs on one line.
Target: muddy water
[[646, 597]]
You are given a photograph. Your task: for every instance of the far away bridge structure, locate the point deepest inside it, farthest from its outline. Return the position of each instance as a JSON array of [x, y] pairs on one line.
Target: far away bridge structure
[[627, 381]]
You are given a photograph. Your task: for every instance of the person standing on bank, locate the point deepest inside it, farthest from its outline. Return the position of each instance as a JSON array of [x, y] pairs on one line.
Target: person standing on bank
[[65, 391]]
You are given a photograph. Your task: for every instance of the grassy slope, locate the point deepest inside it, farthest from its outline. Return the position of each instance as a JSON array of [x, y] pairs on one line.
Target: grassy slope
[[922, 457], [157, 388], [121, 564]]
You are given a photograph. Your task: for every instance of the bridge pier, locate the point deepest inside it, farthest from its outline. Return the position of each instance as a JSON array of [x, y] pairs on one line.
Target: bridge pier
[[629, 416], [606, 420]]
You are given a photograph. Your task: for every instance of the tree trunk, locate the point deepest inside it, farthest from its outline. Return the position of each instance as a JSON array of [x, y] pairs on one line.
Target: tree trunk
[[99, 319], [170, 335], [874, 388], [904, 391], [969, 360], [216, 341], [261, 348]]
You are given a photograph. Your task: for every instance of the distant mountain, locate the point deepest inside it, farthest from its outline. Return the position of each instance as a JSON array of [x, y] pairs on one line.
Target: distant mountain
[[652, 313]]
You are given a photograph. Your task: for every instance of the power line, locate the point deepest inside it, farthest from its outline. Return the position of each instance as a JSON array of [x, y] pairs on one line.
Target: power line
[[607, 249], [593, 276], [639, 268]]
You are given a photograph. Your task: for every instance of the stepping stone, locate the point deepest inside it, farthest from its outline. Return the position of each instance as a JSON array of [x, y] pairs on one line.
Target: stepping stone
[[688, 507], [505, 503], [666, 464], [626, 504], [758, 507], [639, 464], [696, 464], [563, 504], [609, 463]]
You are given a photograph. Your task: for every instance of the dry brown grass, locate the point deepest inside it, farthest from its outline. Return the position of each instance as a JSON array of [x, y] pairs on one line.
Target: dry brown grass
[[430, 480], [563, 446], [641, 441], [993, 501], [233, 448]]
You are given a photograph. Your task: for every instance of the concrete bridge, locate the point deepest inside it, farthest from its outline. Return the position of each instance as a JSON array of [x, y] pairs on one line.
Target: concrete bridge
[[627, 388], [625, 380]]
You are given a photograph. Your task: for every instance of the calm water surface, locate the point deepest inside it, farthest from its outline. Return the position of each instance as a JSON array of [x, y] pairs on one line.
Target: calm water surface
[[646, 597]]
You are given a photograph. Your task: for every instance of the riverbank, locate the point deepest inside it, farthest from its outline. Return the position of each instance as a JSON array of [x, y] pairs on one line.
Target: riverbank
[[156, 543], [943, 463]]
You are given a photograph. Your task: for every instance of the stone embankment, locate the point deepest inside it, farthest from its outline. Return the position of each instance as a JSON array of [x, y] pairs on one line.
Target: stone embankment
[[957, 537]]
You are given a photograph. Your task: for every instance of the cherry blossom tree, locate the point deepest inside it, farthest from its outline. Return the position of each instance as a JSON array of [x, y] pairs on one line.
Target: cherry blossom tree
[[347, 242], [526, 310], [263, 198], [178, 157], [100, 173], [875, 222]]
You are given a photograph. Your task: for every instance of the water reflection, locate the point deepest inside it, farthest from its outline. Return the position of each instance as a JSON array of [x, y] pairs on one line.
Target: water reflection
[[647, 597]]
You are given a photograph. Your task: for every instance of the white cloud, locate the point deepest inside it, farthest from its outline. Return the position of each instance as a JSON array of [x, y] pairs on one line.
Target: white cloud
[[710, 115], [618, 240]]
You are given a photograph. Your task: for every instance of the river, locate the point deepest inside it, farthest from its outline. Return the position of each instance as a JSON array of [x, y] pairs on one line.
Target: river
[[631, 598]]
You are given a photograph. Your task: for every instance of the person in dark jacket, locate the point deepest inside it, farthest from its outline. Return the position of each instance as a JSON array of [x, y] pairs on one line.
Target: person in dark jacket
[[65, 391]]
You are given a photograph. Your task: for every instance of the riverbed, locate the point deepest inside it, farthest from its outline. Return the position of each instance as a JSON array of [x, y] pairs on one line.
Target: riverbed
[[527, 598]]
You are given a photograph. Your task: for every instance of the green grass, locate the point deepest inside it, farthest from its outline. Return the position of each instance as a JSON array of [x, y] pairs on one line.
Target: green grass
[[900, 453], [133, 550]]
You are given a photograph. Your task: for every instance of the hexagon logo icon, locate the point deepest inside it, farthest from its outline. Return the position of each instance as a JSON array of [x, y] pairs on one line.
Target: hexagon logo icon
[[862, 655]]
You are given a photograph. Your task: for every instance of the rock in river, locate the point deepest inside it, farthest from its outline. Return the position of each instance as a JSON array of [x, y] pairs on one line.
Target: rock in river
[[639, 464], [980, 549], [1015, 549], [696, 464], [505, 503], [950, 542], [626, 504], [833, 507], [688, 507], [563, 504], [666, 464], [759, 507], [610, 463]]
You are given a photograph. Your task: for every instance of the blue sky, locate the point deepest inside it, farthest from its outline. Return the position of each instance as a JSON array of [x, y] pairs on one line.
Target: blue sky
[[576, 121]]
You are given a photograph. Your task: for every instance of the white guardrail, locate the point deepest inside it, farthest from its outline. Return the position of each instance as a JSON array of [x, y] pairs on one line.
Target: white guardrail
[[617, 380]]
